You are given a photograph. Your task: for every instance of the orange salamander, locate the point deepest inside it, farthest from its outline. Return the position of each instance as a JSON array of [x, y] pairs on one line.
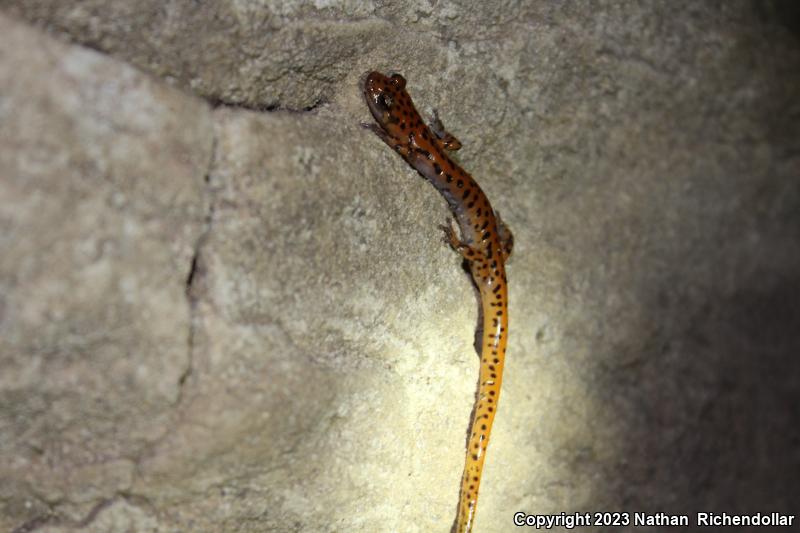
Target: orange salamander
[[485, 244]]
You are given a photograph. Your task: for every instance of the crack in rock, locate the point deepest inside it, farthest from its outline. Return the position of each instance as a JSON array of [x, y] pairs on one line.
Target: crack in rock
[[197, 271]]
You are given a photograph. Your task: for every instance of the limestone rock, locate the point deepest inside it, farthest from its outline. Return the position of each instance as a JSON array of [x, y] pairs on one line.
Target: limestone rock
[[215, 318]]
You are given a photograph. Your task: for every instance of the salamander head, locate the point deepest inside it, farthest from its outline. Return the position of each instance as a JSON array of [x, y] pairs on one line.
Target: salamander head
[[386, 99]]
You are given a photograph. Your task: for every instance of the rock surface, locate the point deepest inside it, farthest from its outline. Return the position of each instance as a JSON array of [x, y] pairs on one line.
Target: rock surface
[[224, 306]]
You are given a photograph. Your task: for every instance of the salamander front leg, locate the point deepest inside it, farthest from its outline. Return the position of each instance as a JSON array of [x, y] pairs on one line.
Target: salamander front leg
[[446, 140], [402, 148]]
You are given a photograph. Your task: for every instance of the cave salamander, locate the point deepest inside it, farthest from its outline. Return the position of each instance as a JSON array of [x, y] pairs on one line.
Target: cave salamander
[[485, 243]]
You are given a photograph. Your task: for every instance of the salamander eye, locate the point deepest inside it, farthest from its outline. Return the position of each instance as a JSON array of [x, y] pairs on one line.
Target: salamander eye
[[384, 101], [398, 80]]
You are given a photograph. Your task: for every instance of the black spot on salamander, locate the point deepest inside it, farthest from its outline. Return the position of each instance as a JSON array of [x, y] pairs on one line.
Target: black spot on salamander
[[496, 288], [474, 458], [460, 183], [466, 194], [499, 313], [486, 235], [491, 408], [449, 177], [485, 223], [491, 393], [437, 168]]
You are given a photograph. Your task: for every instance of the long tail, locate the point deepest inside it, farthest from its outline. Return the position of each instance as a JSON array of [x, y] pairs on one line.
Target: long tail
[[493, 348]]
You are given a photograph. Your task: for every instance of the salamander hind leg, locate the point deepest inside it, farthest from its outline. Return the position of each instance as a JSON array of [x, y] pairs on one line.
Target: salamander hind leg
[[467, 252], [446, 140], [506, 237]]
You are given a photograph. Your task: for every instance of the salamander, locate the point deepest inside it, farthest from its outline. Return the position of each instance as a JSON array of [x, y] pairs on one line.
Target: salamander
[[485, 244]]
